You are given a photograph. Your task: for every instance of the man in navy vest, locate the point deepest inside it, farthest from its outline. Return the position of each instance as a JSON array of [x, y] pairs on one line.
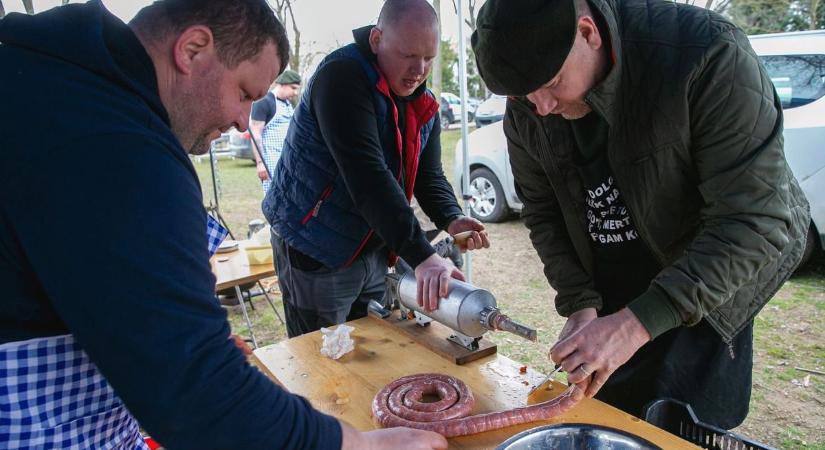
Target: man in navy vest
[[364, 139]]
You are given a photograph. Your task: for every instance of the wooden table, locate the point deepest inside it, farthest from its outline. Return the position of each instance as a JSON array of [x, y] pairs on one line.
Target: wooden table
[[232, 270], [345, 388], [236, 270]]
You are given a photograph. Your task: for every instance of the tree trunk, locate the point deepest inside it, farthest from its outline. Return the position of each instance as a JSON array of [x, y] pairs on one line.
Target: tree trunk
[[471, 21], [28, 4], [2, 10], [285, 14], [436, 70], [295, 57], [814, 19]]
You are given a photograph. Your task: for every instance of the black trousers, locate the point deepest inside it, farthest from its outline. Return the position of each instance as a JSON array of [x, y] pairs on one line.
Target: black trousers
[[691, 364]]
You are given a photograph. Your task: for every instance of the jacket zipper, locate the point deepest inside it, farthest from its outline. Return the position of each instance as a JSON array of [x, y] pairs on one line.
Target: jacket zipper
[[315, 209]]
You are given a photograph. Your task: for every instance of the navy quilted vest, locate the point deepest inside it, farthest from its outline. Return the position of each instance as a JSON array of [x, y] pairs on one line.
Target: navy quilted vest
[[308, 204]]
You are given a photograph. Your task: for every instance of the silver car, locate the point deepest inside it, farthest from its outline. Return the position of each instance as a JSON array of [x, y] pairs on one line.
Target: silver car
[[796, 64]]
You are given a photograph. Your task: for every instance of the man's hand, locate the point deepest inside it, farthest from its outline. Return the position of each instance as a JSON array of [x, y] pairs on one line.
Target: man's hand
[[477, 235], [241, 344], [262, 173], [406, 438], [433, 277], [593, 352], [577, 321]]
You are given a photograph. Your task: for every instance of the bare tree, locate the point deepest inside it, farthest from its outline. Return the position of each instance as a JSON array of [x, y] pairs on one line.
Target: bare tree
[[284, 13], [2, 10], [473, 77], [471, 19], [29, 5]]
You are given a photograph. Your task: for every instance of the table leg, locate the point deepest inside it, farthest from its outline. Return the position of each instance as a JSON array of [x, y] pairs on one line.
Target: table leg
[[266, 294], [246, 316]]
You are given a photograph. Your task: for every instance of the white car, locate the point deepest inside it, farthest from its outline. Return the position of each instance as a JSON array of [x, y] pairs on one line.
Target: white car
[[492, 191], [796, 64], [491, 110]]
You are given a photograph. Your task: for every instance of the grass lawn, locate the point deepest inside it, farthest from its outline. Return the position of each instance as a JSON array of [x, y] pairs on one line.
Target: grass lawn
[[787, 405]]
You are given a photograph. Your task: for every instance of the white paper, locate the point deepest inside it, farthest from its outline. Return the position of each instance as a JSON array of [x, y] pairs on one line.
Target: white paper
[[337, 343]]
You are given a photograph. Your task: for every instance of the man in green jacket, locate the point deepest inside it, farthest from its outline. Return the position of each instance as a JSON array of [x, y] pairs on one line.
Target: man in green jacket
[[645, 138]]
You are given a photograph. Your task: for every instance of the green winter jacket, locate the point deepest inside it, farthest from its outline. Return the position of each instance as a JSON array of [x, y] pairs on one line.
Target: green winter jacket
[[695, 145]]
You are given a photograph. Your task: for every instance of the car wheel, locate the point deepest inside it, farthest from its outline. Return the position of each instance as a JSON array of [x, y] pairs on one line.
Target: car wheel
[[445, 122], [487, 202]]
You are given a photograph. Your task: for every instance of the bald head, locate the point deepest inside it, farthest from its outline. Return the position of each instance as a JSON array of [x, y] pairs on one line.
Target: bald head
[[419, 12], [405, 43]]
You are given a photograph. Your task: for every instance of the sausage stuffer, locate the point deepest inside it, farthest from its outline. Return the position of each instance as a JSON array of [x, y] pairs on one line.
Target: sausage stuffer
[[468, 311]]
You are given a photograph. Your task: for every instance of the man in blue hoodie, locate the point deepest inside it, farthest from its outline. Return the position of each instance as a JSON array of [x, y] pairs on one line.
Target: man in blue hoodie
[[108, 297]]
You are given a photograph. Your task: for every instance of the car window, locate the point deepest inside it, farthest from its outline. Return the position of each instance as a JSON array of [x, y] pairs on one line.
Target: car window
[[799, 79]]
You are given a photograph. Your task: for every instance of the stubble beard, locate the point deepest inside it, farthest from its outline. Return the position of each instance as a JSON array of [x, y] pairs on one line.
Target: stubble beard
[[190, 118]]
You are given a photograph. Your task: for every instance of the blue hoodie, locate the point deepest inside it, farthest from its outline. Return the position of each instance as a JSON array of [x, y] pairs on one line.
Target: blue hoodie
[[102, 236]]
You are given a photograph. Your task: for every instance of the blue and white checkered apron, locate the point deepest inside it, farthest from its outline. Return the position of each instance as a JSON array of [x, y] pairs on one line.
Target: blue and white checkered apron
[[273, 137], [53, 397], [215, 233]]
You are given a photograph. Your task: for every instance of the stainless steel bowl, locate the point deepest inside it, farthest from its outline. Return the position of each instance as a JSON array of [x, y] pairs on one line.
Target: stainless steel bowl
[[575, 436]]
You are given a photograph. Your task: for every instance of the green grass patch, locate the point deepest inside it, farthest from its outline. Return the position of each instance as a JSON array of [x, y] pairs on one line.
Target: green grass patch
[[792, 439], [448, 140], [779, 352], [240, 192]]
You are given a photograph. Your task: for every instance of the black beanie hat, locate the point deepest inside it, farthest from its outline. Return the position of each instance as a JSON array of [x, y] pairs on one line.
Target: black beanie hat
[[521, 44]]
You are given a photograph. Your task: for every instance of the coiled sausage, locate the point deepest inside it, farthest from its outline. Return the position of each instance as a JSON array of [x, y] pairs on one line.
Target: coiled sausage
[[400, 404]]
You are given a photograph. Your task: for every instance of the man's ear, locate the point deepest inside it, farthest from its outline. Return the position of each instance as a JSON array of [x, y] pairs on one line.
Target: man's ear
[[192, 44], [590, 32], [375, 38]]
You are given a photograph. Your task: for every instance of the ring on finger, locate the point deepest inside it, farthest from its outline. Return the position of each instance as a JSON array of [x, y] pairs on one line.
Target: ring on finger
[[583, 368]]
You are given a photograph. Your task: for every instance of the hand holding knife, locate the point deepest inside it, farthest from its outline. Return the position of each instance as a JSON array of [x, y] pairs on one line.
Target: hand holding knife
[[545, 380]]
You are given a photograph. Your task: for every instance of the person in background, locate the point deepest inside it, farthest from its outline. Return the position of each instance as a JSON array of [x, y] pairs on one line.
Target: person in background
[[108, 316], [364, 139], [269, 122], [645, 139]]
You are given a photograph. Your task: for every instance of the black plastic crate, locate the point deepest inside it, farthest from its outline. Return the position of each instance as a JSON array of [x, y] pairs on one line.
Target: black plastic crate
[[678, 418]]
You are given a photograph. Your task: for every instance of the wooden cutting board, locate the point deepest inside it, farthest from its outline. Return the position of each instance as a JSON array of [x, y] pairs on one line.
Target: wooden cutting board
[[345, 388]]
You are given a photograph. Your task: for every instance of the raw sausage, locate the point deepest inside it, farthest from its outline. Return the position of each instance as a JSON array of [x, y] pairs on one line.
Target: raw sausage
[[399, 404]]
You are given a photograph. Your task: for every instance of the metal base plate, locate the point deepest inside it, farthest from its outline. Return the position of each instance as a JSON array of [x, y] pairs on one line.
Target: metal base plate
[[435, 337]]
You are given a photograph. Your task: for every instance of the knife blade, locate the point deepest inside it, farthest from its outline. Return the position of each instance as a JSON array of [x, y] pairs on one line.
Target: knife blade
[[545, 380]]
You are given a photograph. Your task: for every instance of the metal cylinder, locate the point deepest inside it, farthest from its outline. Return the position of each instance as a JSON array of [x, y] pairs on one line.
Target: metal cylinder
[[461, 310]]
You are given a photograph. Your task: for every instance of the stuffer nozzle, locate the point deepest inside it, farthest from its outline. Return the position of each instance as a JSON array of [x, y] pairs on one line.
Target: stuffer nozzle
[[494, 319]]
